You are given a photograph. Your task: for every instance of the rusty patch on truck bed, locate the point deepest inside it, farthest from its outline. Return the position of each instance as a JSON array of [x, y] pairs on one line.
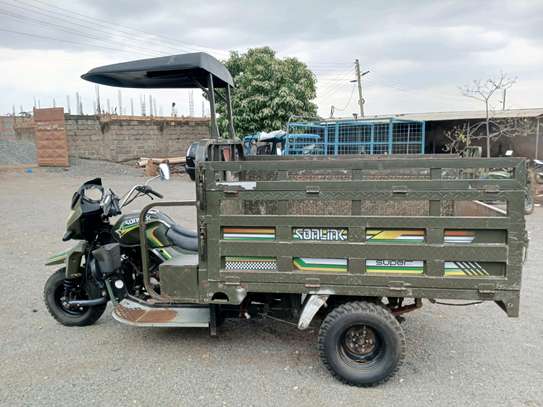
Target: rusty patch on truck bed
[[139, 315]]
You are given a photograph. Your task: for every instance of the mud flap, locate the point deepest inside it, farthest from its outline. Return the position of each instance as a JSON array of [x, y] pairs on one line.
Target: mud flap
[[311, 307], [70, 258]]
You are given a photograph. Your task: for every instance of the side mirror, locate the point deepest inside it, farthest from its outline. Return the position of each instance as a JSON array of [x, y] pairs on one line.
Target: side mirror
[[164, 170]]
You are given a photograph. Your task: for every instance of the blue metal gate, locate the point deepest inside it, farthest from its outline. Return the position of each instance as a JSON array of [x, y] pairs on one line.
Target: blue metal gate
[[368, 136]]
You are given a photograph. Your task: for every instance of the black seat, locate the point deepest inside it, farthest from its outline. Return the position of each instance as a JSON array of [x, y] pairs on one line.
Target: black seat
[[183, 237]]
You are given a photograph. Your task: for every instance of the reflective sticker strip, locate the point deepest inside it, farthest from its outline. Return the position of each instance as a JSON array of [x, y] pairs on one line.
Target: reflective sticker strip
[[243, 263], [395, 236], [459, 236], [232, 233], [464, 269], [320, 265], [395, 266]]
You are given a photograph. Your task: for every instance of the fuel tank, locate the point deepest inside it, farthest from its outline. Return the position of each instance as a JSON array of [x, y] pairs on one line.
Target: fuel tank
[[127, 231]]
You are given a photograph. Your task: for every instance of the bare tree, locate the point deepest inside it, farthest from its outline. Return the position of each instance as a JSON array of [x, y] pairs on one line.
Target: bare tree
[[483, 91], [458, 139]]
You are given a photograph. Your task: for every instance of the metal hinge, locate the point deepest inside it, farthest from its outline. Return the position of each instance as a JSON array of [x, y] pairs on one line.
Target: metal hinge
[[202, 231], [231, 191], [491, 189], [401, 189], [311, 189], [232, 281], [398, 286], [486, 290], [312, 283]]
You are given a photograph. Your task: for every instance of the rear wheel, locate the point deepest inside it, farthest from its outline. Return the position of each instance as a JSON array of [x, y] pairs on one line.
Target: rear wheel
[[361, 343], [54, 297]]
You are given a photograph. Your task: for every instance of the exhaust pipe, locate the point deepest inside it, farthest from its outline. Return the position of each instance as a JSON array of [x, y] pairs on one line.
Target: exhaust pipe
[[88, 303]]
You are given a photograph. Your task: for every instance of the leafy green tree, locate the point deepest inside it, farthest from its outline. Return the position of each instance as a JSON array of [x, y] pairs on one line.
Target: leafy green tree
[[268, 91]]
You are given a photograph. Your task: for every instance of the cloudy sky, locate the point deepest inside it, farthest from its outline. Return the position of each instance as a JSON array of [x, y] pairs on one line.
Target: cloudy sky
[[417, 52]]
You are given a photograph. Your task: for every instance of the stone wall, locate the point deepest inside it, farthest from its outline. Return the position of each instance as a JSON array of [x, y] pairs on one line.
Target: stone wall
[[121, 139]]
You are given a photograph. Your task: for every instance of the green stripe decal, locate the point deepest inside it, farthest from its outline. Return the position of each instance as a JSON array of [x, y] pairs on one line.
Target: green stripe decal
[[320, 265], [395, 266]]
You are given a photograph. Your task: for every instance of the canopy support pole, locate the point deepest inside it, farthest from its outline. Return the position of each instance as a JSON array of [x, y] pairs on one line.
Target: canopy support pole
[[214, 126], [231, 132]]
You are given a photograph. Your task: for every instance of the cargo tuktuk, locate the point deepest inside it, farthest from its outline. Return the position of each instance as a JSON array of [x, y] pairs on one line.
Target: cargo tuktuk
[[350, 244]]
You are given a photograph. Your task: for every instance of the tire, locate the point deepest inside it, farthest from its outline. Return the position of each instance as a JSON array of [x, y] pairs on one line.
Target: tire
[[53, 290], [361, 344]]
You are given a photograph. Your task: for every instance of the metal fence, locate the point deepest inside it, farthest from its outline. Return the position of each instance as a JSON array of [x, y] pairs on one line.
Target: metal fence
[[368, 136]]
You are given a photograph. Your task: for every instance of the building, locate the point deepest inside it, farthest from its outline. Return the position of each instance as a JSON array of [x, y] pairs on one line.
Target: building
[[438, 123]]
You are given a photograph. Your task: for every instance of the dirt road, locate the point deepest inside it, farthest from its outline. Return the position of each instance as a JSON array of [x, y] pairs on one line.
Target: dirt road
[[457, 356]]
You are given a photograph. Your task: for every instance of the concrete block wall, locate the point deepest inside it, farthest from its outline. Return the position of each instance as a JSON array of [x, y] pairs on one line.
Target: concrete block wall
[[120, 139], [7, 130], [85, 139], [24, 129]]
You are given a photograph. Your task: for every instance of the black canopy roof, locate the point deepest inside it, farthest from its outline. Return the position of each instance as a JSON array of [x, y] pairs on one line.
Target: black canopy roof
[[175, 71]]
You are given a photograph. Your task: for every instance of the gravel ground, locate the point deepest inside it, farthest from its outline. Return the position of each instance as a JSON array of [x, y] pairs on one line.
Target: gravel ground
[[456, 356], [87, 168]]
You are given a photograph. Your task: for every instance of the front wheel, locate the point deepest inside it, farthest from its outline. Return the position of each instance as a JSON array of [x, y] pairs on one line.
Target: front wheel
[[361, 343], [54, 297]]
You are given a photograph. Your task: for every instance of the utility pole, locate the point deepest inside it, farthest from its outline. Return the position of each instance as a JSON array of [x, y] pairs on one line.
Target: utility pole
[[142, 102], [98, 106], [358, 80], [503, 101], [120, 97], [68, 104], [78, 103], [191, 103], [537, 141]]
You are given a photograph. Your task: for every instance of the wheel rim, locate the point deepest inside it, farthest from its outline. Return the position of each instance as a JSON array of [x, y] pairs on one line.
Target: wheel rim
[[361, 344], [60, 301]]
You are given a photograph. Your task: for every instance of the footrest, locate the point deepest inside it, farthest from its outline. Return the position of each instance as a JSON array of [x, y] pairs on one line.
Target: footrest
[[138, 314]]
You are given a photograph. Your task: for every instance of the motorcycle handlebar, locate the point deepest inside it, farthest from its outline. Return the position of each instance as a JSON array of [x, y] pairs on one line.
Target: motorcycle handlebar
[[148, 190], [153, 192]]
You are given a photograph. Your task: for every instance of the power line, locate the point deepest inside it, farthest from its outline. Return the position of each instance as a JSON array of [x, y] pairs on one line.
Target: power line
[[67, 29], [62, 40], [349, 102], [333, 90], [70, 31], [118, 28]]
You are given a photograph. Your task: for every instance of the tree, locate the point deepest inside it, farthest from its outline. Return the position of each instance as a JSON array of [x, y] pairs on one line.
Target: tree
[[268, 91], [458, 139], [483, 91]]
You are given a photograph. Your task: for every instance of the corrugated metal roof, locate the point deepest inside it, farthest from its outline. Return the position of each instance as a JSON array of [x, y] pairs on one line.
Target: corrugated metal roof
[[461, 115]]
